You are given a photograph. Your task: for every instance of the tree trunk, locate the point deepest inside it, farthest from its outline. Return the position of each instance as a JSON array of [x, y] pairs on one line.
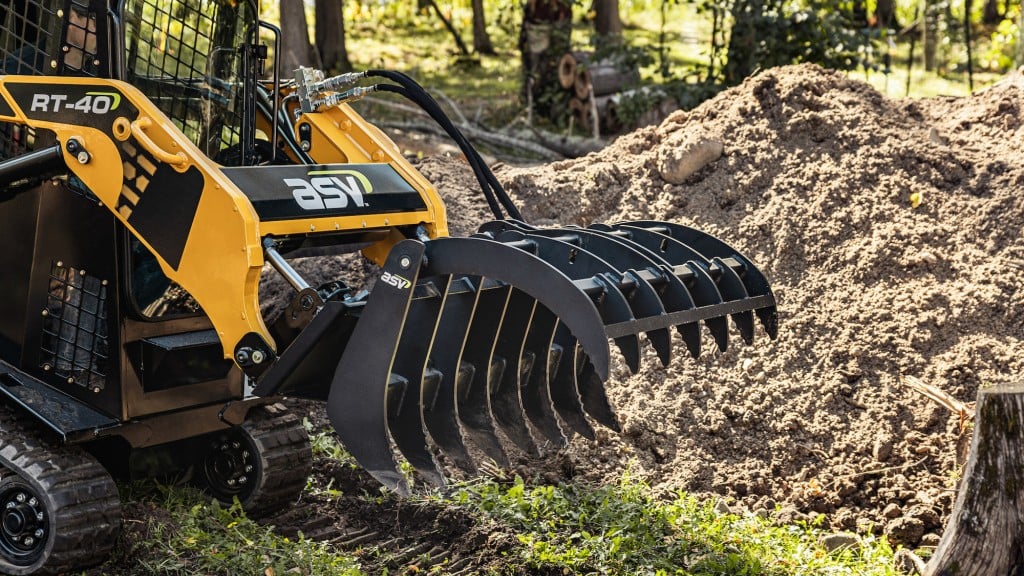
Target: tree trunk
[[930, 30], [991, 14], [545, 36], [481, 39], [295, 47], [742, 51], [985, 535], [607, 22], [885, 14], [330, 35]]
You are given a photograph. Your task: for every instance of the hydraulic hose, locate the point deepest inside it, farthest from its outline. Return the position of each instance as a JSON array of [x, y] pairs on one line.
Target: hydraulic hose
[[416, 93]]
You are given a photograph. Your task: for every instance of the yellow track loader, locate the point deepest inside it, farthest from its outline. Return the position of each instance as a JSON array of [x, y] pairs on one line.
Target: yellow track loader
[[151, 171]]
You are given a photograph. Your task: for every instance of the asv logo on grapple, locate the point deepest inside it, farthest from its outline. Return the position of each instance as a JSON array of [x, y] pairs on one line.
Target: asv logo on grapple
[[330, 189], [395, 280]]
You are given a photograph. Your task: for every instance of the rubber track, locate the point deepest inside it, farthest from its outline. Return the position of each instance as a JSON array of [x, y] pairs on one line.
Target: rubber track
[[86, 511], [285, 457]]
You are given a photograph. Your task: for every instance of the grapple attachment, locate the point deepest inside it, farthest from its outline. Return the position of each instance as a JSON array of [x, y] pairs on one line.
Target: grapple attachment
[[508, 330]]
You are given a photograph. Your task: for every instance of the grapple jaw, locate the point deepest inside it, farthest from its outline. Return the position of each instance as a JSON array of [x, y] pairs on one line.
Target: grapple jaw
[[508, 330]]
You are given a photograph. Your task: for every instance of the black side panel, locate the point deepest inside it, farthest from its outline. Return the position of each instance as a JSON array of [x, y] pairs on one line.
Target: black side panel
[[18, 215], [71, 334]]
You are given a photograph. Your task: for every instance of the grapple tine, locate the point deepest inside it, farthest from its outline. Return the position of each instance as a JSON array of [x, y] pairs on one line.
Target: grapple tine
[[406, 420], [480, 256], [731, 287], [474, 407], [710, 246], [564, 391], [705, 293], [579, 264], [357, 402], [506, 403], [535, 391], [591, 386], [441, 411]]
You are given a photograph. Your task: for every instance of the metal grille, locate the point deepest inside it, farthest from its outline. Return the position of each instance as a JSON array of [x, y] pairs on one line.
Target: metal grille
[[74, 345], [186, 56]]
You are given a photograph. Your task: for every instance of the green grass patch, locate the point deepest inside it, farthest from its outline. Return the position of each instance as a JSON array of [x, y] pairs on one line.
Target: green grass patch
[[182, 533], [622, 530]]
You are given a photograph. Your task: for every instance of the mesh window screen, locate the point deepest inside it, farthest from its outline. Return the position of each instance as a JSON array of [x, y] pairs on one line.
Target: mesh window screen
[[186, 56], [75, 327]]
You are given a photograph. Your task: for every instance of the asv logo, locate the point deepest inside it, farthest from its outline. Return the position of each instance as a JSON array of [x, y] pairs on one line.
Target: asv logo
[[91, 103], [330, 189], [395, 280]]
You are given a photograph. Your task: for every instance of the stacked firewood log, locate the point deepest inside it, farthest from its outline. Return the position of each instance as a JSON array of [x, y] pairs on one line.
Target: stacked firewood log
[[594, 90]]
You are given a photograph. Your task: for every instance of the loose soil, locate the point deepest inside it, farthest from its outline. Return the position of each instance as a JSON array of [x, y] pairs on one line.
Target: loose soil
[[814, 187]]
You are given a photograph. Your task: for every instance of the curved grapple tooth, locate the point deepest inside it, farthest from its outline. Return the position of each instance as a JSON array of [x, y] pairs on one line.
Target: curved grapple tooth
[[405, 420], [624, 260], [602, 278], [506, 403], [591, 386], [440, 410], [357, 402], [564, 392], [536, 389], [474, 404], [711, 247]]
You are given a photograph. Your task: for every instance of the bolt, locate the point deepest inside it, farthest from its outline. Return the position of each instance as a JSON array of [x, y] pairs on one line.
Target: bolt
[[248, 468], [38, 533], [33, 502], [305, 145], [243, 480], [405, 262], [39, 516], [242, 356], [10, 505], [258, 357], [231, 482], [236, 445], [20, 497], [29, 541], [83, 157], [46, 312], [306, 302]]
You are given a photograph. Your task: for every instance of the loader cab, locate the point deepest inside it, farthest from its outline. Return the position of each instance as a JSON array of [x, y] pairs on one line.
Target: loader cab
[[86, 308]]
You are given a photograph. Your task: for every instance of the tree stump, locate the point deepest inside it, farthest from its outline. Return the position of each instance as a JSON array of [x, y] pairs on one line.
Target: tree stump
[[985, 534]]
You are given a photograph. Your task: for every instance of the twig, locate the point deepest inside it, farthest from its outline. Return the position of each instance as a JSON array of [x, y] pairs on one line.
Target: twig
[[472, 133], [876, 471], [455, 109], [964, 410]]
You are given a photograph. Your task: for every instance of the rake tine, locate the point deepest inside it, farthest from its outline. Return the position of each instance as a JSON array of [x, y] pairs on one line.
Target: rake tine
[[578, 264], [595, 400], [473, 401], [731, 287], [624, 257], [441, 414], [506, 403], [357, 402], [406, 420], [753, 279], [536, 390], [564, 389]]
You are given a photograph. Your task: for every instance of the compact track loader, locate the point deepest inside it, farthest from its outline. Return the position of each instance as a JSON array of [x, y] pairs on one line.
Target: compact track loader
[[150, 170]]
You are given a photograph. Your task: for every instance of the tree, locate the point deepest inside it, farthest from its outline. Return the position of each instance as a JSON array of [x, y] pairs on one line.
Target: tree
[[295, 47], [607, 22], [481, 40], [330, 35]]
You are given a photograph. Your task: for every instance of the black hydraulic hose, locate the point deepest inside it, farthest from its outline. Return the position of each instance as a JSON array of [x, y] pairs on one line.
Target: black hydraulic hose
[[420, 96], [474, 162]]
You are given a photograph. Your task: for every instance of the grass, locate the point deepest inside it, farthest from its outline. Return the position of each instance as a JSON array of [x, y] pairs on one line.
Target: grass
[[566, 529]]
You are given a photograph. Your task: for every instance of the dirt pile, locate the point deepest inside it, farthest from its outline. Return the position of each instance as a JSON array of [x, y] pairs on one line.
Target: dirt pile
[[815, 185]]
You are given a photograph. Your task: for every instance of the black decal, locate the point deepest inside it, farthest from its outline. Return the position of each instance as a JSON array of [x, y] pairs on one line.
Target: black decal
[[5, 107]]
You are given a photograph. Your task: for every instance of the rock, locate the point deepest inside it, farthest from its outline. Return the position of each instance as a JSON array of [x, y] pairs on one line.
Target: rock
[[882, 449], [930, 539], [839, 541], [891, 511], [905, 530], [679, 161], [722, 508]]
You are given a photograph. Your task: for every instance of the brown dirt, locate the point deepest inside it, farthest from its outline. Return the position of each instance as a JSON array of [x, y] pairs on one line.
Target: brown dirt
[[814, 187]]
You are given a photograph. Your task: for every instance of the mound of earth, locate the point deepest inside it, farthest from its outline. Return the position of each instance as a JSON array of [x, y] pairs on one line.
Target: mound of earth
[[890, 232], [815, 186]]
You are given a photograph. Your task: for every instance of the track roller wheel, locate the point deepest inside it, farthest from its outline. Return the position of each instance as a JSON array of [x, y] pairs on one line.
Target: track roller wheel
[[264, 462], [59, 508]]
